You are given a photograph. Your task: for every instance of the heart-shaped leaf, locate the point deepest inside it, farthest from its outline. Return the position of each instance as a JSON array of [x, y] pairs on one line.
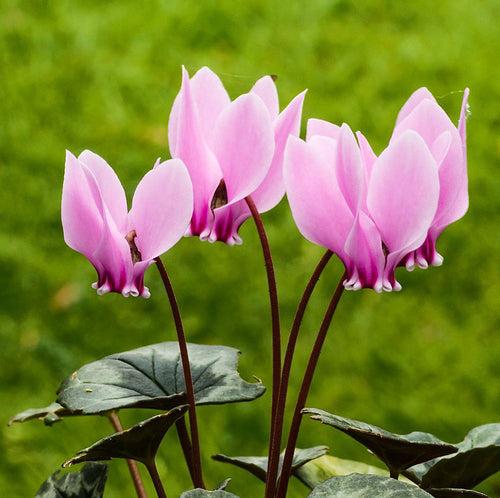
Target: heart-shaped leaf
[[454, 492], [202, 493], [49, 414], [140, 442], [88, 482], [258, 465], [152, 377], [477, 459], [366, 486], [320, 469], [398, 452]]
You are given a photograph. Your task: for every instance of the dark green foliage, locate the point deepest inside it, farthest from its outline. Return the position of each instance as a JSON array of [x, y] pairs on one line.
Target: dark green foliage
[[366, 486], [258, 465], [397, 451], [477, 459], [152, 377], [88, 482], [140, 442]]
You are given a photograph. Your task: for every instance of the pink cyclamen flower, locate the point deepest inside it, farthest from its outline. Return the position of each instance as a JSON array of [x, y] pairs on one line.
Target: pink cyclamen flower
[[122, 244], [447, 142], [373, 212], [232, 149]]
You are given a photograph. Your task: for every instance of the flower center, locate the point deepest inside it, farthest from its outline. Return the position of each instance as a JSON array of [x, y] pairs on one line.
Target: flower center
[[220, 196], [134, 252]]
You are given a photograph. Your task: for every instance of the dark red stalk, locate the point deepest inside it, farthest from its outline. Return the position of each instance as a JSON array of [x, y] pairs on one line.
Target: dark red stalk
[[187, 450], [273, 298], [275, 446], [304, 389], [155, 477], [188, 379], [132, 466]]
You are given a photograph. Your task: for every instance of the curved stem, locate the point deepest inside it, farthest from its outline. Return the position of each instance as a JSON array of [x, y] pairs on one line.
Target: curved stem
[[273, 298], [274, 447], [155, 477], [132, 466], [187, 450], [188, 379], [304, 389]]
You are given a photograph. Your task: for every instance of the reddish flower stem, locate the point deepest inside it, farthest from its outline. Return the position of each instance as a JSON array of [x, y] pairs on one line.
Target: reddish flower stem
[[273, 298], [304, 389], [132, 466], [155, 477], [188, 379], [187, 450], [275, 446]]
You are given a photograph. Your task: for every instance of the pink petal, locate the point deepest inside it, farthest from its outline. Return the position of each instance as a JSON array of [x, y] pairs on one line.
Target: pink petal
[[265, 88], [463, 117], [364, 249], [430, 121], [402, 198], [272, 189], [317, 205], [244, 145], [415, 98], [192, 149], [323, 128], [113, 251], [110, 187], [210, 97], [367, 155], [440, 147], [161, 208], [81, 219], [403, 192], [348, 168]]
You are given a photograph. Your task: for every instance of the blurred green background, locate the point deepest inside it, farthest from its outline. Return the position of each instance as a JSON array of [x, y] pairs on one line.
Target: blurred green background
[[102, 75]]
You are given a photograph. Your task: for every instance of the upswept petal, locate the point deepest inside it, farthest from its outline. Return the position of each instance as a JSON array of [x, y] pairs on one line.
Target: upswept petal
[[243, 145], [265, 88], [192, 148], [161, 208], [110, 187], [368, 157], [403, 192], [348, 169], [402, 198], [463, 118], [429, 120], [81, 220], [113, 251], [317, 205], [415, 98], [321, 127], [211, 99], [366, 257], [272, 189]]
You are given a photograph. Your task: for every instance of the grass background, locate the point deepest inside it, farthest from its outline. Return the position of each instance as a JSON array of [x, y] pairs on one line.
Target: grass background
[[102, 75]]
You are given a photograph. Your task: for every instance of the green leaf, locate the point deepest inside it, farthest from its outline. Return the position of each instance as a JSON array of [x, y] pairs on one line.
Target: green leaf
[[217, 493], [258, 465], [477, 459], [454, 492], [140, 442], [49, 414], [320, 469], [201, 493], [152, 377], [88, 482], [397, 451], [366, 486]]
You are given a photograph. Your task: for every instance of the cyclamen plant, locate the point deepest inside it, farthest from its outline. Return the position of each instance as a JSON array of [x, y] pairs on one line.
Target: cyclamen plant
[[232, 160]]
